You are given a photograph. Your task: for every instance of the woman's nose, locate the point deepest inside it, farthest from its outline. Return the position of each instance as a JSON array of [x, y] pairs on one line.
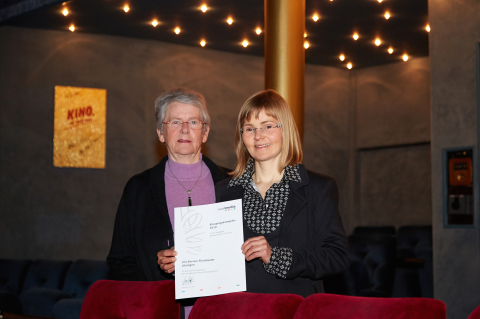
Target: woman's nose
[[184, 127], [258, 133]]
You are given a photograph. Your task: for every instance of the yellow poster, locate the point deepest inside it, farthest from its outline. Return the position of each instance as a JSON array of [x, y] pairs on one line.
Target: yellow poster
[[80, 127]]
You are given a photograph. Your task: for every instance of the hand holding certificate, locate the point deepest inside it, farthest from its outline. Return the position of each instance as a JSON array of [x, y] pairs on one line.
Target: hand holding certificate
[[208, 240]]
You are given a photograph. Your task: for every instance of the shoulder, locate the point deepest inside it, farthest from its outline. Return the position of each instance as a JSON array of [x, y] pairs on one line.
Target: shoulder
[[144, 179], [317, 182], [218, 173]]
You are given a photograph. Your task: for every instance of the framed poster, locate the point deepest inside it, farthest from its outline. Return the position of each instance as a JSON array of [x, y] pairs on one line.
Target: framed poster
[[79, 127]]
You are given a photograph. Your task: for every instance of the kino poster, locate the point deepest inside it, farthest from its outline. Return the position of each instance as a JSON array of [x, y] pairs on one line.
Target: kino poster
[[80, 127]]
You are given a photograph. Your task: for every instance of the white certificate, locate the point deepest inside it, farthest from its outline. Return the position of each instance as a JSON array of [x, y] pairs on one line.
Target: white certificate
[[208, 239]]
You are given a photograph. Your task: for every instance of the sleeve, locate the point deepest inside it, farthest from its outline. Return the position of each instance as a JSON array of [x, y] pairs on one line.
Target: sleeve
[[280, 261], [122, 259], [327, 251]]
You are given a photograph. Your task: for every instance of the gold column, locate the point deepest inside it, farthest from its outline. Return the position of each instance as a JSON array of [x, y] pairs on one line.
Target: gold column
[[285, 54]]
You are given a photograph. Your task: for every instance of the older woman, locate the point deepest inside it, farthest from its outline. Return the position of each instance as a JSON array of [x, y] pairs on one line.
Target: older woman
[[143, 234], [293, 232]]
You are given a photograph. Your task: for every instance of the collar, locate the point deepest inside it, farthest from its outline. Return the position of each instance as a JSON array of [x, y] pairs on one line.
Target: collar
[[291, 173]]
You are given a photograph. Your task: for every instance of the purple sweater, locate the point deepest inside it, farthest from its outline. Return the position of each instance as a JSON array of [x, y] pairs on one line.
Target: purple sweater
[[203, 192]]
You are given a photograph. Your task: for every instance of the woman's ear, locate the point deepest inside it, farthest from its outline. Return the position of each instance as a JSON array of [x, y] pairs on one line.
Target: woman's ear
[[205, 133], [161, 138]]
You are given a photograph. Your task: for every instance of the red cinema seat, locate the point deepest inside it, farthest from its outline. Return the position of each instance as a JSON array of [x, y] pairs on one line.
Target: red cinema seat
[[110, 299], [475, 313], [327, 306], [241, 305]]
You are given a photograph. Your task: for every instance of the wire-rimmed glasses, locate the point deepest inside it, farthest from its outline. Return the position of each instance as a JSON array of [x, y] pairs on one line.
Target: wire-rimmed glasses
[[267, 129], [177, 124]]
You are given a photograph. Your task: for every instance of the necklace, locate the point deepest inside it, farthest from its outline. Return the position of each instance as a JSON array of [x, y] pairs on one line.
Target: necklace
[[187, 190]]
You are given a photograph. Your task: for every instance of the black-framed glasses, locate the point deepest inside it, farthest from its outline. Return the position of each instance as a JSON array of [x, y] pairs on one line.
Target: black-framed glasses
[[267, 129], [177, 124]]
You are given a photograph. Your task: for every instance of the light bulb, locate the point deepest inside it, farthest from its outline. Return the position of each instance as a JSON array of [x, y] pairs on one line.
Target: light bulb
[[349, 65], [177, 30], [405, 57], [390, 50], [341, 57], [305, 34], [72, 28], [378, 42], [427, 28], [202, 43], [355, 36], [154, 22], [245, 43], [380, 1], [306, 45], [230, 20], [65, 12], [126, 8], [387, 15], [258, 31], [204, 8], [315, 17]]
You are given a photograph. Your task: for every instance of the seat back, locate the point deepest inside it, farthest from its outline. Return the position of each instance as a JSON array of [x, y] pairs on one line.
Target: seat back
[[320, 306], [46, 274], [110, 299], [12, 274], [374, 230], [372, 268], [475, 313], [82, 274], [246, 305]]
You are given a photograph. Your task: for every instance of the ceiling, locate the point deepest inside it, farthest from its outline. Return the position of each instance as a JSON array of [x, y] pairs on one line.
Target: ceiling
[[329, 37]]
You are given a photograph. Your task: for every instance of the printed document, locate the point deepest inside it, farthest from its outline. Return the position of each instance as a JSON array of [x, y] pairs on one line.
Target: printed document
[[208, 239]]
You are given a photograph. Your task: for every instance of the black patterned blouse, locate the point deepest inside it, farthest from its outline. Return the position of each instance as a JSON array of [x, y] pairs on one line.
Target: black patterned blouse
[[263, 216]]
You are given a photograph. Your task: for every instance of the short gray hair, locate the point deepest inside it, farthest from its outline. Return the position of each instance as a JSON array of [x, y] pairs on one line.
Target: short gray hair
[[182, 95]]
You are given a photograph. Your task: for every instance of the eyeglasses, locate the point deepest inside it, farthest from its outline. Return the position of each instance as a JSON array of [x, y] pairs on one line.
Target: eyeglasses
[[193, 124], [267, 129]]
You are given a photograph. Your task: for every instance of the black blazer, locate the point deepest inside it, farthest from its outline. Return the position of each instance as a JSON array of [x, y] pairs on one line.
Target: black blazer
[[311, 226], [142, 225]]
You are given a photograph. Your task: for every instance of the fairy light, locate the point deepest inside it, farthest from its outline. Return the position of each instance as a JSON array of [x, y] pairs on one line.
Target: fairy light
[[245, 43], [154, 22], [349, 65], [390, 50], [203, 42], [306, 44], [355, 36], [342, 57], [72, 28], [380, 1], [387, 15], [258, 30], [126, 8], [65, 12], [305, 34], [378, 42], [405, 57], [177, 30], [427, 28], [230, 20], [204, 8], [315, 17]]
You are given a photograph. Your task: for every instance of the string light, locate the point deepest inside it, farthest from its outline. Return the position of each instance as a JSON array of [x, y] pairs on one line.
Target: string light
[[203, 42], [230, 20], [305, 34], [177, 30], [405, 57], [65, 12], [427, 28], [72, 28], [306, 45], [342, 57], [315, 17], [258, 30], [245, 43], [387, 15], [355, 36], [390, 50], [204, 8], [378, 42], [154, 22], [380, 1], [349, 65], [126, 8]]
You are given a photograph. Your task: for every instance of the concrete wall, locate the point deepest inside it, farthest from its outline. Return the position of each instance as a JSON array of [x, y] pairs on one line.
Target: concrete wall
[[454, 101], [60, 213]]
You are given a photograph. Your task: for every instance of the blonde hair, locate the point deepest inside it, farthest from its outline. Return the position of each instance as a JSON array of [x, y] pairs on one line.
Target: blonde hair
[[275, 106]]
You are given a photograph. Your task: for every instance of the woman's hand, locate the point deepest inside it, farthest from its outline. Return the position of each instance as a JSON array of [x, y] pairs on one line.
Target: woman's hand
[[257, 247], [166, 260]]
